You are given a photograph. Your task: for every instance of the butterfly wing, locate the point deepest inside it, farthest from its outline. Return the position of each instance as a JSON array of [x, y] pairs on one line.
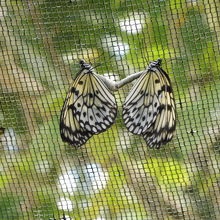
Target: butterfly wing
[[70, 129], [90, 108], [162, 129], [149, 109]]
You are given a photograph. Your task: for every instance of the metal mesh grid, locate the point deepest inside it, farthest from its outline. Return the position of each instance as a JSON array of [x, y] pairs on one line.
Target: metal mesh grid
[[115, 175]]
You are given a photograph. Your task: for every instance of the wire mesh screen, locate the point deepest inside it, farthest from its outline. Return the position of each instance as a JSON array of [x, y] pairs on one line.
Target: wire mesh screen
[[115, 174]]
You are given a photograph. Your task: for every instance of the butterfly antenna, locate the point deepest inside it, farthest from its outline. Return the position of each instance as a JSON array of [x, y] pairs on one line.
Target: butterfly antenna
[[99, 64]]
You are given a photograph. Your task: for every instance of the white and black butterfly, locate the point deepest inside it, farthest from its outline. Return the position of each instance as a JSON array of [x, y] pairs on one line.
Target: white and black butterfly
[[149, 108], [90, 107]]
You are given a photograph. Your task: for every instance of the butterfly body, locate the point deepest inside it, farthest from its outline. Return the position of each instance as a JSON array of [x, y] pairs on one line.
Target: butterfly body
[[90, 107], [149, 108]]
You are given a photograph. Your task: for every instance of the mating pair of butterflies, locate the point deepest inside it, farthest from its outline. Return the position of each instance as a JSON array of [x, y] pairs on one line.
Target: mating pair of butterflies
[[90, 107]]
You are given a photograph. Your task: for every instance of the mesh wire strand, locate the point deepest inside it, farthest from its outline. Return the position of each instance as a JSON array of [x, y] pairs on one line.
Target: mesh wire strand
[[115, 175]]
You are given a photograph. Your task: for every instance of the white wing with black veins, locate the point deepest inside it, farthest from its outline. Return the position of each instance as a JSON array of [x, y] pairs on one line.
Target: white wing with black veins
[[90, 108], [149, 108]]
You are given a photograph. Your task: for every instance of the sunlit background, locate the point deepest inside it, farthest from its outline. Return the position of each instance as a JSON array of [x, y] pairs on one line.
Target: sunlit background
[[115, 175]]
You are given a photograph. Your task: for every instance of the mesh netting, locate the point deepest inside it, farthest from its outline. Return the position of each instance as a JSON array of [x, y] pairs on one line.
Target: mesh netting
[[115, 175]]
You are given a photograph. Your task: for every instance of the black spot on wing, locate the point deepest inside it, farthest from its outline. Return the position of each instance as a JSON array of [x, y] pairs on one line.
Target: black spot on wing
[[72, 106], [98, 115], [137, 116], [159, 91], [169, 107], [74, 91], [160, 108], [169, 89], [166, 88]]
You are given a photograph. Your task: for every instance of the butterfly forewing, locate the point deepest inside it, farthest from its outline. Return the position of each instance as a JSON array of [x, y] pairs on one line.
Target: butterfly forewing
[[90, 108], [149, 109], [163, 128]]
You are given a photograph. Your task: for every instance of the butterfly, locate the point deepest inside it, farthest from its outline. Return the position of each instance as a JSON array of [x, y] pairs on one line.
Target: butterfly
[[149, 109], [89, 108]]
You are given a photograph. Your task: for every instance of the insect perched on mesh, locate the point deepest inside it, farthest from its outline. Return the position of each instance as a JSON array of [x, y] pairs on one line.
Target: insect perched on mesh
[[90, 107], [149, 108]]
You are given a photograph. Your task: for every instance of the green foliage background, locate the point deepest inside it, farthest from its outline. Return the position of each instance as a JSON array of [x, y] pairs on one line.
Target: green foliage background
[[41, 44]]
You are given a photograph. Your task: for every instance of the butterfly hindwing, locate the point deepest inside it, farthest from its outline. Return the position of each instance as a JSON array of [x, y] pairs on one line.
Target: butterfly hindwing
[[149, 108], [90, 108], [139, 110]]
